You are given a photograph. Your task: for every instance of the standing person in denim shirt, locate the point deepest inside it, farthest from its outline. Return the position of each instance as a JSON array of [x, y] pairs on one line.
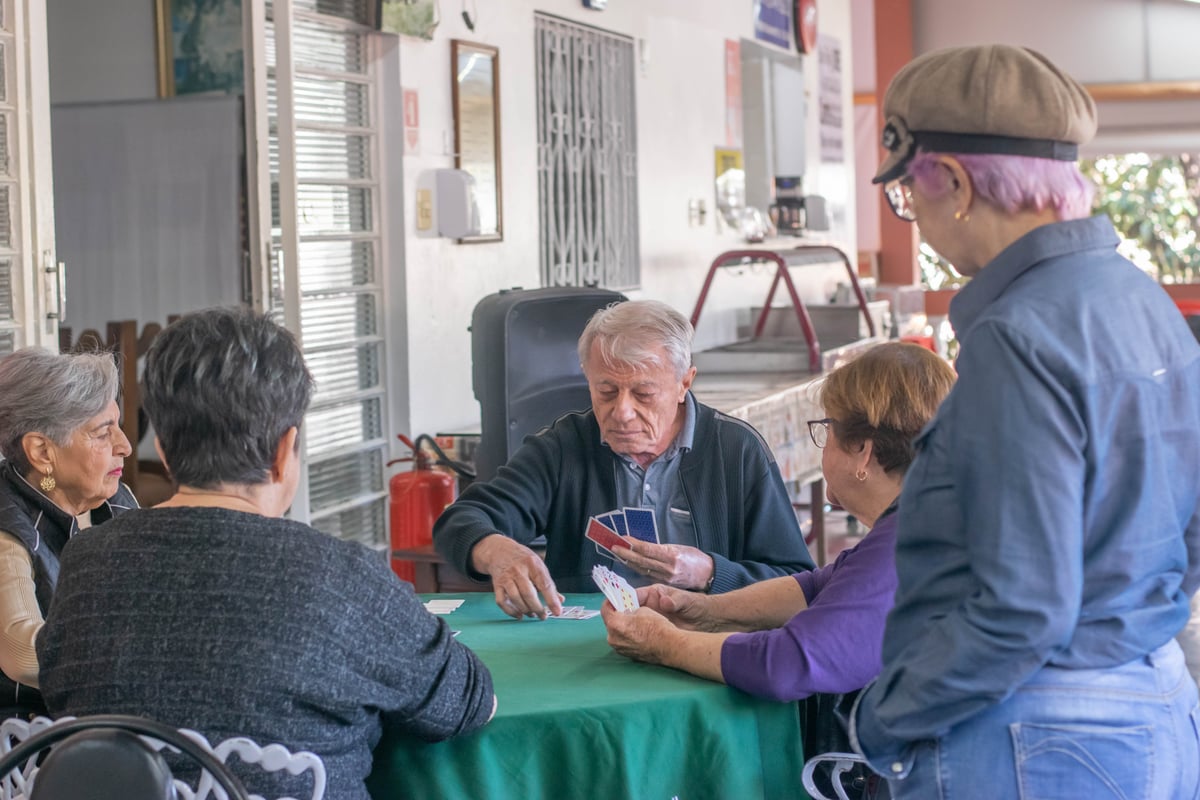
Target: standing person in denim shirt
[[1049, 540]]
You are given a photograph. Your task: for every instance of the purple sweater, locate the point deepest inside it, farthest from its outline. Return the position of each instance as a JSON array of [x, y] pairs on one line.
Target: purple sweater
[[834, 645]]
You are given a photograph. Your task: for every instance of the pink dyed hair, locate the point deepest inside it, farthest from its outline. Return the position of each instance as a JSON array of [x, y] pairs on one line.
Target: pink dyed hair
[[1013, 183]]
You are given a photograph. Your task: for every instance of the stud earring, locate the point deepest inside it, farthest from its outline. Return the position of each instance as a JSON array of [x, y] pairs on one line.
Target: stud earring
[[47, 483], [962, 216]]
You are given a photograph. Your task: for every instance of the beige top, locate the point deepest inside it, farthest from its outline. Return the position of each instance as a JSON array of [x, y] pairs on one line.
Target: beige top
[[20, 616]]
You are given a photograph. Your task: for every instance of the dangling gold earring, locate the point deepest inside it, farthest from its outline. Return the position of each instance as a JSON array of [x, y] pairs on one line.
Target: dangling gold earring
[[861, 475], [48, 483]]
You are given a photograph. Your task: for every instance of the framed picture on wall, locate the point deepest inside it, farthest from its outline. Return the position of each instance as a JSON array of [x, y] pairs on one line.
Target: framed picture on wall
[[199, 46]]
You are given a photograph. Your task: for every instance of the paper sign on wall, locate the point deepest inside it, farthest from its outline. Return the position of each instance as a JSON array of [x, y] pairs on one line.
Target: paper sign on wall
[[829, 60], [773, 22], [733, 93], [412, 123]]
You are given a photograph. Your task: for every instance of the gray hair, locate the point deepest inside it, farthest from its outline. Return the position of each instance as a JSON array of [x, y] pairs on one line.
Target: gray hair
[[222, 387], [630, 332], [52, 394]]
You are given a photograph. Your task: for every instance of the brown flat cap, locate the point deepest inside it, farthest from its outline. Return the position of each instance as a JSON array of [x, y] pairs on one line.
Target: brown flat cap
[[986, 99]]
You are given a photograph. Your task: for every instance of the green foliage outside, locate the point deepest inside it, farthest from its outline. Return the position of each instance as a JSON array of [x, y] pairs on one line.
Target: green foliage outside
[[1154, 202], [410, 17]]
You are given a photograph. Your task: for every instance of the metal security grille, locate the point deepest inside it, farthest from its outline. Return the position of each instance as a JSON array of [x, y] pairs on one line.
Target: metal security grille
[[337, 223], [587, 157]]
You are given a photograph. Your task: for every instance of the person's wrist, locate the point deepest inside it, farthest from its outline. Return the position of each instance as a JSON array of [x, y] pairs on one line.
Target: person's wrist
[[711, 576], [484, 552]]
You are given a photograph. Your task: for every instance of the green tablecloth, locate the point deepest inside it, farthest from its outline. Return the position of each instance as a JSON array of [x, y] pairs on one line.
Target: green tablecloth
[[576, 720]]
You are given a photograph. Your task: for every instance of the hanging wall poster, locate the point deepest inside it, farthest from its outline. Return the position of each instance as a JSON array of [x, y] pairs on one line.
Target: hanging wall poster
[[829, 76], [199, 46]]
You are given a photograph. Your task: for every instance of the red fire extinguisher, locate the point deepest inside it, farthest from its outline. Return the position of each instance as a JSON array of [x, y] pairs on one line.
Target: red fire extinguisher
[[416, 498]]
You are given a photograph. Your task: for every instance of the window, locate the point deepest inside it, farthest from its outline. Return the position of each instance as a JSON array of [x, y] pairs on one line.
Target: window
[[587, 157], [339, 238]]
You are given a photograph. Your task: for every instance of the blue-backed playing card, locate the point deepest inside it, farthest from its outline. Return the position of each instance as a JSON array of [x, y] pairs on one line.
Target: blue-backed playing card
[[641, 524]]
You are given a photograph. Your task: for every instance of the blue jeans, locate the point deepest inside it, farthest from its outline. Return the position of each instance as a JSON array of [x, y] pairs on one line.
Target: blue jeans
[[1127, 733]]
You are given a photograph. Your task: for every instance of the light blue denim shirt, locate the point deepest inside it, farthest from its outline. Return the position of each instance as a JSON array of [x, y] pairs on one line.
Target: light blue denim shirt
[[658, 487], [1051, 511]]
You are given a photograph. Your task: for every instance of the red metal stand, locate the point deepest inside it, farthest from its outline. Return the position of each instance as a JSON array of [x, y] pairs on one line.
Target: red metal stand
[[783, 259]]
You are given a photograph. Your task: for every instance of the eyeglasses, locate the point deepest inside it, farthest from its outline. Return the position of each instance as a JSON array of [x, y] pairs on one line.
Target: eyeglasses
[[818, 429], [899, 197]]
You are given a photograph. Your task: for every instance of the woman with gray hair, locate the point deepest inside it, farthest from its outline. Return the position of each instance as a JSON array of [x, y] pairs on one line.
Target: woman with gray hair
[[63, 453]]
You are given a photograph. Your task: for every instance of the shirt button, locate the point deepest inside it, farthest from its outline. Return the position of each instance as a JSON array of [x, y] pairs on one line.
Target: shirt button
[[897, 767]]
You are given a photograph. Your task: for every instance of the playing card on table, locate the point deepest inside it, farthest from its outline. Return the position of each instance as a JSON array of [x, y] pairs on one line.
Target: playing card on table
[[442, 605], [615, 588], [575, 612]]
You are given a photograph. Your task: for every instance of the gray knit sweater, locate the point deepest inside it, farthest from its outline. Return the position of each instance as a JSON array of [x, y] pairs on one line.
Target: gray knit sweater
[[237, 624]]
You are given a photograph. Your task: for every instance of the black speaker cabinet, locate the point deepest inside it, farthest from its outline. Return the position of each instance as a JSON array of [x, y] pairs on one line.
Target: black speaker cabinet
[[524, 364]]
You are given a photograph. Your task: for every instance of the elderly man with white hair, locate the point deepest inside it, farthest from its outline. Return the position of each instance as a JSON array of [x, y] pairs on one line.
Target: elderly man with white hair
[[724, 517]]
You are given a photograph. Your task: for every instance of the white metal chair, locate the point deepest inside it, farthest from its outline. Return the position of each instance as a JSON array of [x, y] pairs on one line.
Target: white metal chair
[[842, 763], [19, 783]]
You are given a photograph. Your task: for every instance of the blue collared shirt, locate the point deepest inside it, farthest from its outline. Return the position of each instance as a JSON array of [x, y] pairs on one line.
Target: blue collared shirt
[[657, 486], [1051, 513]]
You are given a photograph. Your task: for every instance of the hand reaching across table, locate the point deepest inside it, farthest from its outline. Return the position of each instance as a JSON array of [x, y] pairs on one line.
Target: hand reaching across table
[[646, 635], [518, 576]]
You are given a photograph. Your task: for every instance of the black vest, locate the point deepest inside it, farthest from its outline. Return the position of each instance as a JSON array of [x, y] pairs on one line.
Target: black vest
[[44, 528]]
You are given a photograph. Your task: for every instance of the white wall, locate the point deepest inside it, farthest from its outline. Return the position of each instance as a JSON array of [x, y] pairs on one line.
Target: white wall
[[101, 50], [146, 201], [680, 108]]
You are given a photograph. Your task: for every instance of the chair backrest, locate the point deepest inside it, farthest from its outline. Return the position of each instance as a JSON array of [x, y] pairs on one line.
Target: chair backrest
[[840, 764], [20, 770], [524, 366], [272, 758], [103, 763]]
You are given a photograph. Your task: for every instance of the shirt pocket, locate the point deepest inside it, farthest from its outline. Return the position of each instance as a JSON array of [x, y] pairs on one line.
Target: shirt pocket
[[682, 531]]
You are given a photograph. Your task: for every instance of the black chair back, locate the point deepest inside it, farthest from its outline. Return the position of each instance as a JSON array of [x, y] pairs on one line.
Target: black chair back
[[76, 768], [102, 764], [524, 366]]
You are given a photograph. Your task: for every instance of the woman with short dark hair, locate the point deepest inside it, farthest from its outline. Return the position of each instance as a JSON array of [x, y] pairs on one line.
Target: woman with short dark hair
[[213, 612], [64, 453]]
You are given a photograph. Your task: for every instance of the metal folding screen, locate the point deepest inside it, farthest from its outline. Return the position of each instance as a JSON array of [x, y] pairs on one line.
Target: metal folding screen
[[587, 156]]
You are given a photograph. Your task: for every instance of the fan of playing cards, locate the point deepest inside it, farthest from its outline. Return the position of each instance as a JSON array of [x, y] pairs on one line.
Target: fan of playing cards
[[607, 529], [615, 588]]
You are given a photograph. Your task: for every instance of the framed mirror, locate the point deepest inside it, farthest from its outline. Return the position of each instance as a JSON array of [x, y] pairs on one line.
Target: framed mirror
[[475, 91]]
